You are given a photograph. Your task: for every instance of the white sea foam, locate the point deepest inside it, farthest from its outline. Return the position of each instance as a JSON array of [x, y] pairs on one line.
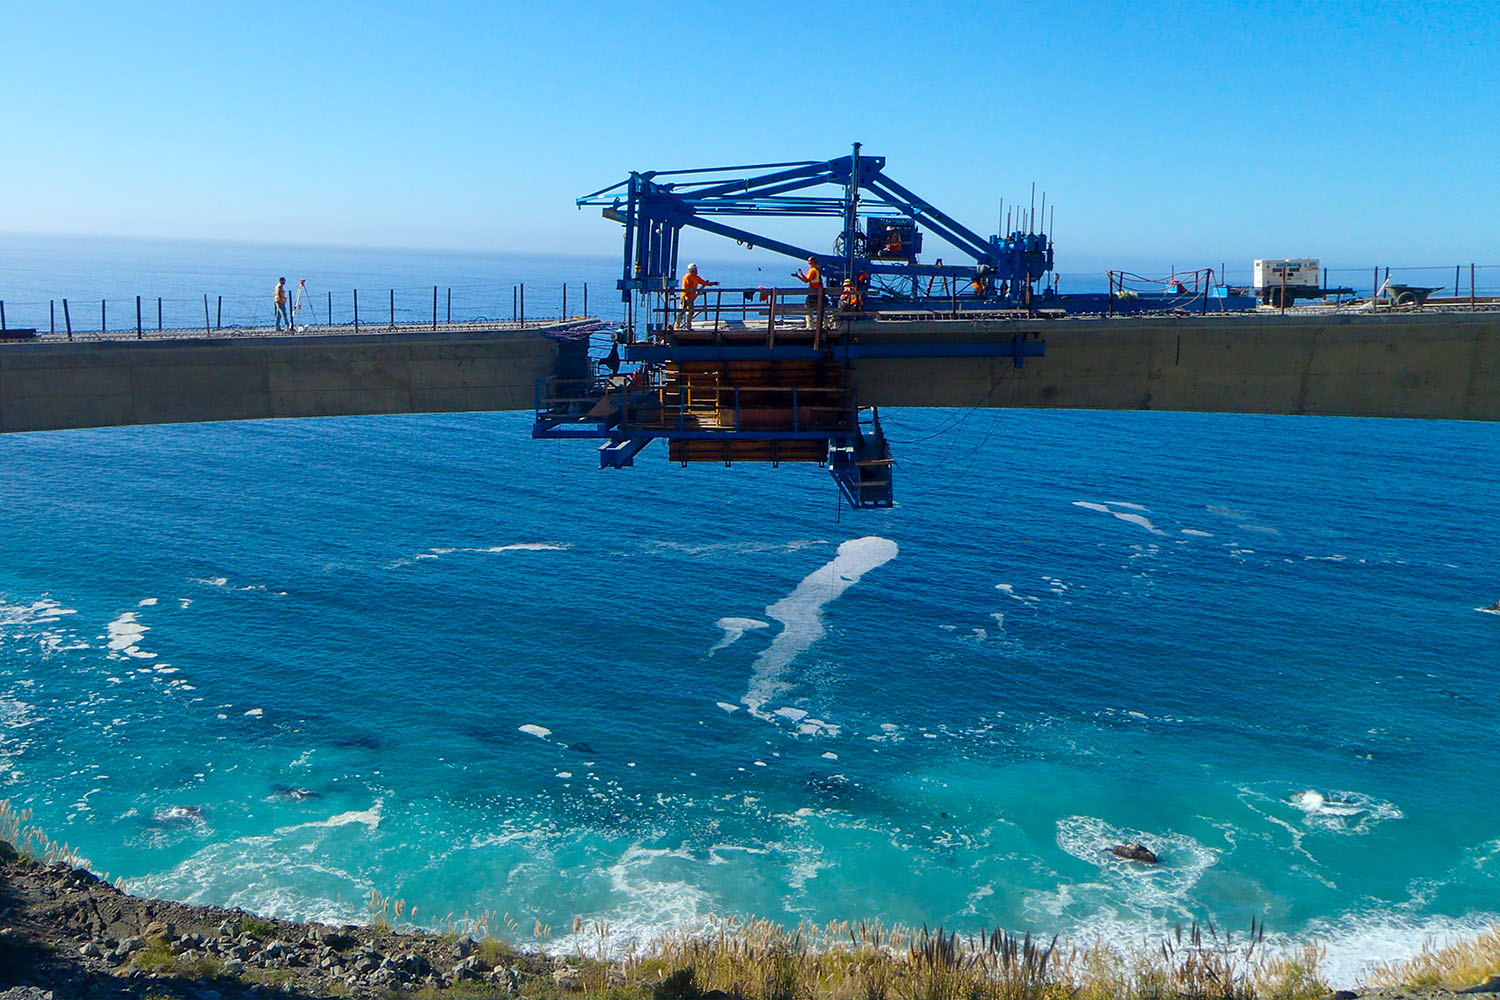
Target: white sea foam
[[1155, 888], [1108, 507], [801, 615], [124, 635], [734, 628], [1009, 590], [540, 732], [255, 713], [727, 707], [1197, 533], [147, 602]]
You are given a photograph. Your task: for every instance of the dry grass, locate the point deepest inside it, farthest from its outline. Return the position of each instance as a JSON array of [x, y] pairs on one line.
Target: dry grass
[[30, 841], [1453, 964], [760, 960]]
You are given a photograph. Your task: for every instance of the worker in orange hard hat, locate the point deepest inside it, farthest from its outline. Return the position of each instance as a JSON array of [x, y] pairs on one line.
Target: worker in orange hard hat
[[814, 278], [691, 283]]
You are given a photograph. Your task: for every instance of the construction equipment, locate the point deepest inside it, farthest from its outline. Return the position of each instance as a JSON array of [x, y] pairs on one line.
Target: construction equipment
[[763, 374]]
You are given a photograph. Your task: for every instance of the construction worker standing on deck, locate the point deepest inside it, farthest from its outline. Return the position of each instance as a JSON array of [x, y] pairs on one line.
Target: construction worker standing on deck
[[814, 279], [691, 282], [283, 306]]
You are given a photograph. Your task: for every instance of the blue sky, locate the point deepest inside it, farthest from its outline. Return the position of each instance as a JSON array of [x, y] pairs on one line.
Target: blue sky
[[1365, 133]]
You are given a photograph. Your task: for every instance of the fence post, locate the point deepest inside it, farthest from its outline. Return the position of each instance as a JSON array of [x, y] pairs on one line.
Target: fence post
[[565, 301], [434, 307], [1471, 288], [330, 309], [52, 315], [1375, 291], [103, 325], [207, 329], [139, 333], [1455, 279], [356, 311], [585, 298], [513, 310], [68, 319], [219, 316], [158, 314], [393, 309], [523, 303], [450, 305], [2, 315]]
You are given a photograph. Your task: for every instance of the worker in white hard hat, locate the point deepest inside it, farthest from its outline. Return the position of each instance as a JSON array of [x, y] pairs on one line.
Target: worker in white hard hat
[[691, 283]]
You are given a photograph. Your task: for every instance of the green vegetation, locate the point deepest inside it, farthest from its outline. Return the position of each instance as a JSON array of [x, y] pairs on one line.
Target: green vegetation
[[157, 957], [257, 928]]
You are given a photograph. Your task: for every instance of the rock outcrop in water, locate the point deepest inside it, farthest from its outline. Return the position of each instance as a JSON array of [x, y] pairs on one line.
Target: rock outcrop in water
[[1135, 852]]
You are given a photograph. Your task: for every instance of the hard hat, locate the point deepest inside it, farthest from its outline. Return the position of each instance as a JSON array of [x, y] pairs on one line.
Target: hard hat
[[692, 267], [848, 282]]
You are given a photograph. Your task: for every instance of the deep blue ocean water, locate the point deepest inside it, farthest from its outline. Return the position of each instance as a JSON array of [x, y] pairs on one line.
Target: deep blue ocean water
[[511, 682]]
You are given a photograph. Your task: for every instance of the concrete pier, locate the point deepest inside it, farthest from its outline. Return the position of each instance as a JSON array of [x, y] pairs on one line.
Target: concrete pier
[[1435, 365]]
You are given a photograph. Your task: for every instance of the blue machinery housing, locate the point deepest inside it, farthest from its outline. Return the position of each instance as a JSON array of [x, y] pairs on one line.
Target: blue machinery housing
[[763, 374]]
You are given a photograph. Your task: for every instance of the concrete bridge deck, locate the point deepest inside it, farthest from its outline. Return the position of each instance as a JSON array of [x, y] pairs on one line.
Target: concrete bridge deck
[[1436, 365]]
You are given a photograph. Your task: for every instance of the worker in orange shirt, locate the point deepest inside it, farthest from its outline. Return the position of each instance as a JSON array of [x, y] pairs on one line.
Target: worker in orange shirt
[[814, 279], [691, 283]]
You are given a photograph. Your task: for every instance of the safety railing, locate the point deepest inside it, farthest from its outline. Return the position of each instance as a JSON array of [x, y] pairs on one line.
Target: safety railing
[[360, 310], [759, 310]]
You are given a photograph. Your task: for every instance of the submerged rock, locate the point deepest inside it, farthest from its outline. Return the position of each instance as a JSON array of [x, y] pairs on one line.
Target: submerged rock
[[1135, 852]]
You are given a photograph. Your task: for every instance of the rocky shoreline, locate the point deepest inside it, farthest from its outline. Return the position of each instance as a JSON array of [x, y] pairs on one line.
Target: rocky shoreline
[[66, 933]]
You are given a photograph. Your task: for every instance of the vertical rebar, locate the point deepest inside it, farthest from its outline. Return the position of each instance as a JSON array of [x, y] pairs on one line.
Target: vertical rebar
[[1283, 290], [450, 305], [1471, 286], [158, 314], [356, 311], [139, 331], [207, 328], [67, 319], [585, 298], [434, 306], [1375, 289], [329, 317], [51, 315], [1455, 279], [523, 303], [393, 309], [219, 316], [565, 301], [513, 300], [2, 315], [103, 325]]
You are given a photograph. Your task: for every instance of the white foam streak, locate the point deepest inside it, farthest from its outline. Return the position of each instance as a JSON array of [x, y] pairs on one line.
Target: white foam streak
[[1140, 520], [801, 615], [734, 628]]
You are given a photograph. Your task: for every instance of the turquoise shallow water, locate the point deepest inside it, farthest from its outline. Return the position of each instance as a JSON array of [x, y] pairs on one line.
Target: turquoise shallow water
[[508, 681]]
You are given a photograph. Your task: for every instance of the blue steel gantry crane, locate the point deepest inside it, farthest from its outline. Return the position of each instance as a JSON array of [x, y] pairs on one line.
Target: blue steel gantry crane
[[765, 374], [879, 234]]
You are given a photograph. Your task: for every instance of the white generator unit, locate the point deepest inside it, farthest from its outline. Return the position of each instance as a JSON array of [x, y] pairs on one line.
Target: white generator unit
[[1300, 278]]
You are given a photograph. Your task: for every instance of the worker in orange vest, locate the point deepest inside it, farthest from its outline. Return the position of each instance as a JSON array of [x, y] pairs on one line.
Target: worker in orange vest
[[691, 283], [851, 301], [814, 279]]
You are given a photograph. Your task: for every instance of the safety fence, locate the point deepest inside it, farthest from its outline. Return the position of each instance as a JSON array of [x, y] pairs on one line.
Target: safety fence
[[1441, 284], [432, 307]]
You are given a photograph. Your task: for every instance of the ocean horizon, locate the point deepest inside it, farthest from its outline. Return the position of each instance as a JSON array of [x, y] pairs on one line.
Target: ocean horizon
[[285, 664]]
